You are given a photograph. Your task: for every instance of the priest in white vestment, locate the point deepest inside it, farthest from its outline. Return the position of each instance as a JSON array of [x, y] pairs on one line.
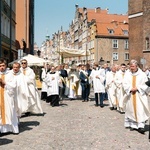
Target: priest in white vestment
[[22, 92], [73, 78], [8, 114], [137, 107], [98, 78], [111, 88], [53, 81], [34, 98], [119, 76]]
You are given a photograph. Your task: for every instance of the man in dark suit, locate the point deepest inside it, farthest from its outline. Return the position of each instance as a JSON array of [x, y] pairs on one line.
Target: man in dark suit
[[63, 74], [84, 81]]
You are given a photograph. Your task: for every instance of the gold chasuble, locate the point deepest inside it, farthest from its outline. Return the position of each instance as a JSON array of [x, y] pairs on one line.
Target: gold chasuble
[[24, 72], [2, 102], [134, 96]]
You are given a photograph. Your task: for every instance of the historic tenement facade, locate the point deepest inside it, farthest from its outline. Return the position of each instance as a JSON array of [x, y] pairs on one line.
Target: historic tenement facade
[[7, 30], [104, 35]]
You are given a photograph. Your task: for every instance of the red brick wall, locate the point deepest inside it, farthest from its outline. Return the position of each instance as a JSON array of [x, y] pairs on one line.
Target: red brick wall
[[139, 29], [135, 30], [136, 38], [135, 6]]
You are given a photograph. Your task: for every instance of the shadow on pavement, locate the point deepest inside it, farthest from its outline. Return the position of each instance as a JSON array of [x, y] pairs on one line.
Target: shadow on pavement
[[62, 104], [4, 141], [44, 113], [23, 126], [30, 114]]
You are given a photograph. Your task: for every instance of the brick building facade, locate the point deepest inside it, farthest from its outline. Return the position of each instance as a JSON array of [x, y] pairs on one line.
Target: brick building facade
[[25, 25], [139, 31], [103, 35]]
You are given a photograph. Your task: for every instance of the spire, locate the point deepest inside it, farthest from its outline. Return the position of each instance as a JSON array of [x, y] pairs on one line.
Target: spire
[[47, 36]]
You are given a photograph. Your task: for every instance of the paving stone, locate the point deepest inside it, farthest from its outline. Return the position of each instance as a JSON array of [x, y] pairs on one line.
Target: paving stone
[[75, 126]]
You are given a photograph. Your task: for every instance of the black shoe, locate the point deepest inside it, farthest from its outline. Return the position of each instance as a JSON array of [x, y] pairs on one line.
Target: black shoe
[[101, 106], [111, 108], [132, 129], [127, 127], [27, 114], [141, 130], [43, 99], [15, 133], [83, 101], [122, 112]]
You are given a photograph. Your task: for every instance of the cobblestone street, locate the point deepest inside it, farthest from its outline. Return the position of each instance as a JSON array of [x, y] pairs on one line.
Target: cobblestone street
[[75, 126]]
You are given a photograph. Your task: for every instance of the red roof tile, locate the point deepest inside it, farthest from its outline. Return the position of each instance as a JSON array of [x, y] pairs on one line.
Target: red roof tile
[[106, 21]]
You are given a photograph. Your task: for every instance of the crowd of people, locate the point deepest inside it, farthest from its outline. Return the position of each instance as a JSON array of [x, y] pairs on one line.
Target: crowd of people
[[18, 95], [126, 87]]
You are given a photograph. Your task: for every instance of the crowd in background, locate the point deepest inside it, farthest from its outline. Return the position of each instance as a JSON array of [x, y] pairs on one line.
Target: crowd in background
[[126, 88]]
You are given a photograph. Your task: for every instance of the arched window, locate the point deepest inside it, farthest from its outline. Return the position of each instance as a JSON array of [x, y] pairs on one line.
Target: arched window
[[147, 43]]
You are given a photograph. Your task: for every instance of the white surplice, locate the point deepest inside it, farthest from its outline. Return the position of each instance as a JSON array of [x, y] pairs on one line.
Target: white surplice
[[8, 114], [119, 76], [22, 92], [52, 81], [73, 78], [98, 83], [111, 88], [34, 97], [137, 107]]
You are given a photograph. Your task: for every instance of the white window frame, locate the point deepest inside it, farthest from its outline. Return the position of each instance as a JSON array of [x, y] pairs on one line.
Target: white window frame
[[115, 56], [126, 44], [111, 31], [147, 44], [125, 32], [114, 43], [126, 56]]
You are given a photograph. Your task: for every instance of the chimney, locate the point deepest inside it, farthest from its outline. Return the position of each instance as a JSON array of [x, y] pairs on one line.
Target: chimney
[[107, 10], [98, 10]]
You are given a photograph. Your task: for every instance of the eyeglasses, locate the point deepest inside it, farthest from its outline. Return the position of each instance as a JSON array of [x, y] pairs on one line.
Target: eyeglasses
[[23, 63]]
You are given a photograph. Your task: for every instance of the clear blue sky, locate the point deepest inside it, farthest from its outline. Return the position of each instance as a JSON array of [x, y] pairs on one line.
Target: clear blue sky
[[50, 15]]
